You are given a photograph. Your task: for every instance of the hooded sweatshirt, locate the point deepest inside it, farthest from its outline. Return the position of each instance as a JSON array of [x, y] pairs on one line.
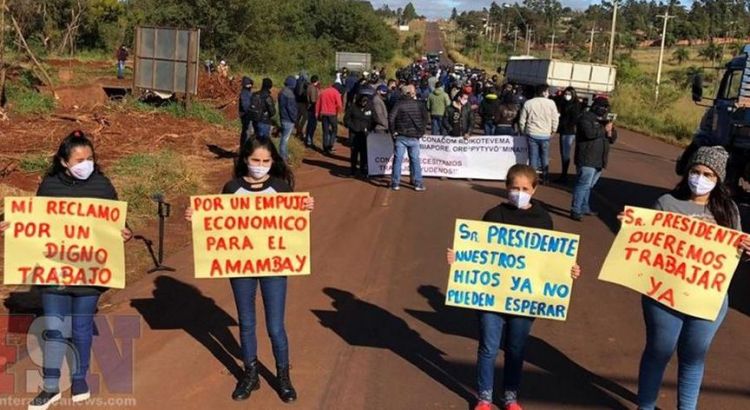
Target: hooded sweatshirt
[[245, 95], [329, 102], [437, 102], [488, 108], [287, 101]]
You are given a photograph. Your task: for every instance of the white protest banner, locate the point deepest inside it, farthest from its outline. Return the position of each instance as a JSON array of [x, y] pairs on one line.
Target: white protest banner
[[479, 157]]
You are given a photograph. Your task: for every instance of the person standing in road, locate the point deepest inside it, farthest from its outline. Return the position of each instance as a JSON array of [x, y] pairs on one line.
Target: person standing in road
[[538, 120], [287, 115], [458, 117], [327, 109], [437, 103], [259, 169], [570, 110], [262, 110], [488, 109], [359, 120], [244, 105], [313, 90], [501, 329], [408, 123], [702, 193], [122, 56], [594, 134], [379, 110], [69, 310], [300, 96]]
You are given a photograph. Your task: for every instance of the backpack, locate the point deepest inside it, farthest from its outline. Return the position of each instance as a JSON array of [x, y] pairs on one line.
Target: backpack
[[256, 107], [300, 91]]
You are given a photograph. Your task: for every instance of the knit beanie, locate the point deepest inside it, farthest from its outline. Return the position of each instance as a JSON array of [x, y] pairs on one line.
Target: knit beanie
[[713, 157]]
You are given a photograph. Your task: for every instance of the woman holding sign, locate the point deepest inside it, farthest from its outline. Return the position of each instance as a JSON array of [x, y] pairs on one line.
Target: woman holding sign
[[69, 310], [259, 169], [520, 210], [701, 194]]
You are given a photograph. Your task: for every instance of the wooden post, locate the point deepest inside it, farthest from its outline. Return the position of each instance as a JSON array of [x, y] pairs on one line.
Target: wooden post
[[2, 54], [187, 70]]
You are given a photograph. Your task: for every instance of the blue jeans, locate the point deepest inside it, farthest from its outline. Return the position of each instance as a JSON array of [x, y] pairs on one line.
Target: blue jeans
[[539, 151], [504, 130], [273, 289], [585, 182], [437, 125], [666, 331], [493, 327], [566, 146], [312, 124], [401, 145], [120, 69], [489, 128], [69, 330], [330, 127], [262, 130], [286, 131]]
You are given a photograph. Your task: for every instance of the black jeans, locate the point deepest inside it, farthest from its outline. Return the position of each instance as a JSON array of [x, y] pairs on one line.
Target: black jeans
[[247, 130], [359, 151]]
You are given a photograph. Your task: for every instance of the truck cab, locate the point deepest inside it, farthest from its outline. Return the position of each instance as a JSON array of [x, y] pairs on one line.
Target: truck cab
[[726, 122]]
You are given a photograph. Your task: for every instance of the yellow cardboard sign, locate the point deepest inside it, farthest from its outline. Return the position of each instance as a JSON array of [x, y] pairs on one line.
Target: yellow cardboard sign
[[64, 242], [238, 236], [682, 262], [512, 269]]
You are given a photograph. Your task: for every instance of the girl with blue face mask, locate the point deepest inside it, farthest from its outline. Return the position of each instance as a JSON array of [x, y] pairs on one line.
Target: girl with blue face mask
[[521, 210], [701, 194]]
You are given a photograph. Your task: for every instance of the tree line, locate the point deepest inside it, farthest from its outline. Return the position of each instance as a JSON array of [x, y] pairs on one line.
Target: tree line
[[267, 35]]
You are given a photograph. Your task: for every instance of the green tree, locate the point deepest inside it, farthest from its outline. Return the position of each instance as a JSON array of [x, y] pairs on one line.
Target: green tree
[[454, 14], [680, 55], [409, 13], [711, 52]]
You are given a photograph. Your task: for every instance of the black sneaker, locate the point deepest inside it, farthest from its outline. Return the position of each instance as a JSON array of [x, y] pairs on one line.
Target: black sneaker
[[44, 400], [247, 384]]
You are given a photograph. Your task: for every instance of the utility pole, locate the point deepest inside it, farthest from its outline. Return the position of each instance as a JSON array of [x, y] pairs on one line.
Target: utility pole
[[552, 49], [612, 34], [499, 39], [666, 18], [515, 39], [528, 41], [591, 42]]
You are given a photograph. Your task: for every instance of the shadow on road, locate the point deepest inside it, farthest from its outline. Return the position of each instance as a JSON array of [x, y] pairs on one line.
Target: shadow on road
[[564, 381], [364, 324], [178, 305]]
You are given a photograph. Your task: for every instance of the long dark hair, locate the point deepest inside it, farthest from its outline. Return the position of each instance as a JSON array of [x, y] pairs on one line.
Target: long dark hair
[[279, 168], [720, 202], [75, 139]]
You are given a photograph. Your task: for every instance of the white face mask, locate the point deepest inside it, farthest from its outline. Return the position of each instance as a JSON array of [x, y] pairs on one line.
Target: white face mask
[[568, 97], [82, 170], [258, 172], [519, 199], [700, 185]]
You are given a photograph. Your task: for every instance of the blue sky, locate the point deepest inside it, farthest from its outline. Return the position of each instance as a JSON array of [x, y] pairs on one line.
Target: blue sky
[[442, 8]]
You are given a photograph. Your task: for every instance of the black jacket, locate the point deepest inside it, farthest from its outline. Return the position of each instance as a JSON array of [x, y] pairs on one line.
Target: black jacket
[[266, 108], [359, 119], [61, 185], [457, 122], [488, 108], [592, 143], [409, 118], [569, 111]]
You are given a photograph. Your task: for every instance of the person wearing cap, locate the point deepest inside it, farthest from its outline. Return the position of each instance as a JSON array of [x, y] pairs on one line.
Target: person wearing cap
[[701, 193], [594, 134], [408, 123], [437, 103], [223, 69], [379, 109], [244, 106]]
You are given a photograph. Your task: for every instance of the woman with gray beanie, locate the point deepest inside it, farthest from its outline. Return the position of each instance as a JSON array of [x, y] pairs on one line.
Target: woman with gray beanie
[[700, 194]]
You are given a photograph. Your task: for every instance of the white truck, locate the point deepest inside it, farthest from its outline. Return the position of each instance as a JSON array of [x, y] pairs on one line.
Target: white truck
[[587, 78]]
